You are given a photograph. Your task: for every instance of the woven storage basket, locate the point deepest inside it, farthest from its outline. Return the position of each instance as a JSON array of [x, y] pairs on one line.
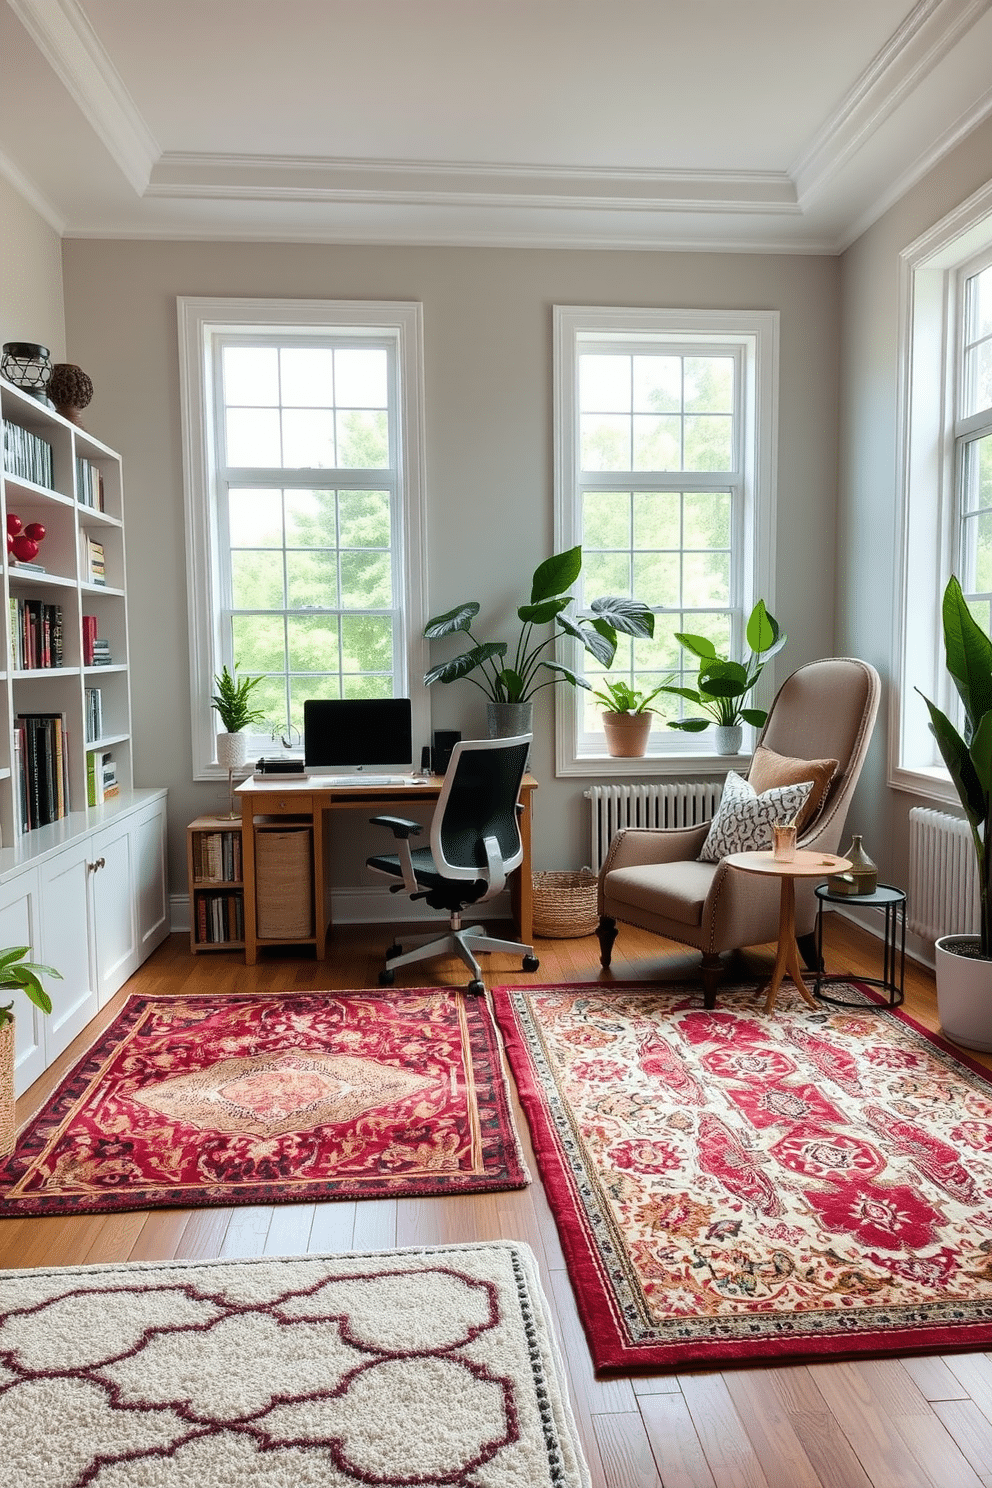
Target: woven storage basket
[[284, 888], [8, 1124], [565, 904]]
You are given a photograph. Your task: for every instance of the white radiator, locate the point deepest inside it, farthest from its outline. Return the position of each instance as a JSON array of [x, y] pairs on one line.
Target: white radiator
[[942, 898], [678, 803]]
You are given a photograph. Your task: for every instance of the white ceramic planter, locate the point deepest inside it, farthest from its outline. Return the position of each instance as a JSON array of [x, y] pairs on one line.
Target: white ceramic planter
[[728, 738], [232, 750], [964, 995]]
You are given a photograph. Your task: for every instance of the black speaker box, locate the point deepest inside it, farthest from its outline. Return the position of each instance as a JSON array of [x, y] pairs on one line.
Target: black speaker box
[[444, 742]]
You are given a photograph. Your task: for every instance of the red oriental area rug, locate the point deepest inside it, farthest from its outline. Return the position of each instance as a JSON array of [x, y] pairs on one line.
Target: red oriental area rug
[[731, 1187], [299, 1097]]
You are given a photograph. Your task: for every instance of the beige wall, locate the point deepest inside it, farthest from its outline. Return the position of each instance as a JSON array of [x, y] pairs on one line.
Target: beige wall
[[30, 276], [487, 325], [869, 491]]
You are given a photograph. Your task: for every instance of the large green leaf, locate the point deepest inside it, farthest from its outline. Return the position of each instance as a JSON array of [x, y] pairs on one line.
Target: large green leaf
[[543, 613], [969, 654], [625, 614], [460, 666], [971, 790], [460, 618], [556, 574], [566, 673], [723, 679], [698, 645], [754, 716], [690, 725], [685, 692], [762, 629], [512, 685]]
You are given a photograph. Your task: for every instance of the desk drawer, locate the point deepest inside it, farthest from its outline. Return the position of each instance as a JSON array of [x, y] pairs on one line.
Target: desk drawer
[[291, 804]]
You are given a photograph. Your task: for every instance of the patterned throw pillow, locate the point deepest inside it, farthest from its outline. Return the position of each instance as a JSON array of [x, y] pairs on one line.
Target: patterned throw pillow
[[743, 821]]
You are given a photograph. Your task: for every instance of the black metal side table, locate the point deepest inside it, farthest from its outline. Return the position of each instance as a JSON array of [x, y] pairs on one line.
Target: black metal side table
[[892, 902]]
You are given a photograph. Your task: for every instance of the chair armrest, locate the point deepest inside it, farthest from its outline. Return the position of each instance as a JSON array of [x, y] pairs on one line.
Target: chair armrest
[[398, 825], [634, 846]]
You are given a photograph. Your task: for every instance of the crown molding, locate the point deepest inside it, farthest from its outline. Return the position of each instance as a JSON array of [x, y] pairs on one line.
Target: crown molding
[[447, 183], [67, 41], [930, 31], [29, 191]]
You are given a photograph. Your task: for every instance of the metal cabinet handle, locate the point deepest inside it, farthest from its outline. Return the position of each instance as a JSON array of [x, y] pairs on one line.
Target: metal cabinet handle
[[100, 863]]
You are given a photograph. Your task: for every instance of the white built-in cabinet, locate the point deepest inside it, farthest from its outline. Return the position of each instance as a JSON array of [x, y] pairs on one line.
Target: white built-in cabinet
[[87, 892]]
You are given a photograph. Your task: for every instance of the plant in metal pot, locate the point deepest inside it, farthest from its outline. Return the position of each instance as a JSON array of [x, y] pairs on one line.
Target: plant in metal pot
[[507, 676], [723, 684], [964, 962]]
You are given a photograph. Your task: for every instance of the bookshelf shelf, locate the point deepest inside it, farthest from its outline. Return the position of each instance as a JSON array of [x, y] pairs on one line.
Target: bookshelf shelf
[[46, 693], [216, 888]]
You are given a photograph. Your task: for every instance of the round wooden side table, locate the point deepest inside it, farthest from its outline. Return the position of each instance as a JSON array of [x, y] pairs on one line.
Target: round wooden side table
[[802, 864]]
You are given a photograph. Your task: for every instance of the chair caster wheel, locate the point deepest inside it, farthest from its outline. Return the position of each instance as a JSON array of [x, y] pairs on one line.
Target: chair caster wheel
[[476, 987], [387, 978], [530, 963], [394, 950]]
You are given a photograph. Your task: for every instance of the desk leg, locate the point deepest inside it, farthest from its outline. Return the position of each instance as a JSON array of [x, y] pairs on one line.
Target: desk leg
[[248, 878], [787, 954], [521, 881]]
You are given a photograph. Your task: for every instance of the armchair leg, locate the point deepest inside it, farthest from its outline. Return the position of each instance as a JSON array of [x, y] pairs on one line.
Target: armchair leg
[[607, 933], [712, 971], [807, 949]]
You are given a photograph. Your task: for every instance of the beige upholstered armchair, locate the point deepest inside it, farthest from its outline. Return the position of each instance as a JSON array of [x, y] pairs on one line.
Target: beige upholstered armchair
[[824, 713]]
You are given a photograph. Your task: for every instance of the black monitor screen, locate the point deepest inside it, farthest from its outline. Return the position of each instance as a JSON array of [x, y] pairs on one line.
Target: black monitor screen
[[353, 732]]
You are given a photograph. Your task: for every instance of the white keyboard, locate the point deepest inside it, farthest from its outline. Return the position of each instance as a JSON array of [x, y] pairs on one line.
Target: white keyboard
[[333, 781]]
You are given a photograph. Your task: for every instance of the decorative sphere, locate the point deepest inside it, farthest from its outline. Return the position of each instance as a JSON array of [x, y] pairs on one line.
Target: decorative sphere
[[25, 548], [13, 524], [35, 531], [69, 388]]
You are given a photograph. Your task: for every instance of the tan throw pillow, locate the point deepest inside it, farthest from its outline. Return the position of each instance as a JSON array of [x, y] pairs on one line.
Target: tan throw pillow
[[769, 770]]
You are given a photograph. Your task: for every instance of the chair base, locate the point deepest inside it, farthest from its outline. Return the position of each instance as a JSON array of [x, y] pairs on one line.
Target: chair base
[[456, 942]]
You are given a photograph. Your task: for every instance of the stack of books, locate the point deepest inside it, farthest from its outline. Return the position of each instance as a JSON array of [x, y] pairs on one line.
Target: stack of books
[[89, 484], [96, 563], [101, 777], [27, 456], [94, 714], [101, 653], [35, 634], [41, 769]]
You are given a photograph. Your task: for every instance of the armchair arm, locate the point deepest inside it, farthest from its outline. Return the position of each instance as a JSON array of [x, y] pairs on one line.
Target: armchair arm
[[634, 846], [398, 825]]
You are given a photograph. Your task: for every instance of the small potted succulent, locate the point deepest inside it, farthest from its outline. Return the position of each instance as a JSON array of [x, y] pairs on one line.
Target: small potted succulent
[[627, 717], [16, 972]]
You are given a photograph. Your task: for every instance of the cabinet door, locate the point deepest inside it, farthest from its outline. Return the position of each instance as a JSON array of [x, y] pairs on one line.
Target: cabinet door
[[148, 855], [114, 920], [20, 925], [67, 940]]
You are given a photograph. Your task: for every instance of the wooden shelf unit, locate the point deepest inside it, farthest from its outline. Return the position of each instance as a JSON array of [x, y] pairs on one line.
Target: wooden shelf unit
[[216, 884]]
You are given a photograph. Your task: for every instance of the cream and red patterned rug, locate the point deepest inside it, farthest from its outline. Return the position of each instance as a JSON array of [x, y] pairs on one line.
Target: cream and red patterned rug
[[264, 1099], [732, 1187], [430, 1367]]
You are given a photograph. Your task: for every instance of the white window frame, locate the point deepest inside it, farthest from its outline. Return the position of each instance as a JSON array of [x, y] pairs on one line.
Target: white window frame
[[931, 273], [753, 336], [201, 319]]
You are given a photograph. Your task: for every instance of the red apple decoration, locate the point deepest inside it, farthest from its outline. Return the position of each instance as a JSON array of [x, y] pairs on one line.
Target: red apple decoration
[[35, 531], [13, 524], [25, 548], [10, 542]]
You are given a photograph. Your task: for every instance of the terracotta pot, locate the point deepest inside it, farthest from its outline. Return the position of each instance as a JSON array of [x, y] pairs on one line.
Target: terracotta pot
[[964, 993], [627, 734]]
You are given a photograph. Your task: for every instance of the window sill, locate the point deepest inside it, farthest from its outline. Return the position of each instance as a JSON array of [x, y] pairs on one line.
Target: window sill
[[607, 766], [932, 784]]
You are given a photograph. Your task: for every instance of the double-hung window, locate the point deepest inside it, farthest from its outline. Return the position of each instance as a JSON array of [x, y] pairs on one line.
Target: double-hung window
[[303, 439], [946, 435], [665, 458]]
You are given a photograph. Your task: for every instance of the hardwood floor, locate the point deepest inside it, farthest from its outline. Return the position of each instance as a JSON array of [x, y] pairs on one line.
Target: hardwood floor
[[884, 1423]]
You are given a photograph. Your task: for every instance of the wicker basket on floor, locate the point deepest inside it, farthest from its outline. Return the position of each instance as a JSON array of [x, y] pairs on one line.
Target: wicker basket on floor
[[565, 904]]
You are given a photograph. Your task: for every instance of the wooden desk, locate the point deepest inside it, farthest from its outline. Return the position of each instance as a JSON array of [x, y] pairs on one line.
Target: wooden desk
[[303, 801]]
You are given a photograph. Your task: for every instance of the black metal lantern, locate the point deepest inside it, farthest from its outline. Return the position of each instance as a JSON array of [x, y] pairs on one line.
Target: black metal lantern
[[28, 366]]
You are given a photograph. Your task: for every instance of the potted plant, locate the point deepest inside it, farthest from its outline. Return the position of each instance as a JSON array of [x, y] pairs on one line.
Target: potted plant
[[232, 701], [514, 683], [16, 972], [964, 962], [722, 684], [626, 718]]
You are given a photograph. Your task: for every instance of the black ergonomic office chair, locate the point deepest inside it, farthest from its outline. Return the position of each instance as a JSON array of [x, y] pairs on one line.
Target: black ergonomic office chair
[[475, 843]]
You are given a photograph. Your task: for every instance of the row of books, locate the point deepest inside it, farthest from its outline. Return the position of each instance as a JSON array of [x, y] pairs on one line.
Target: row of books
[[101, 776], [217, 857], [89, 484], [94, 561], [219, 917], [27, 456], [36, 634], [41, 769], [96, 651], [93, 707]]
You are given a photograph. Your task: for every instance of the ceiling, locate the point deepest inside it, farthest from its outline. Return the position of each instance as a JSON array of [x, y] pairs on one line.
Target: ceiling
[[757, 125]]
